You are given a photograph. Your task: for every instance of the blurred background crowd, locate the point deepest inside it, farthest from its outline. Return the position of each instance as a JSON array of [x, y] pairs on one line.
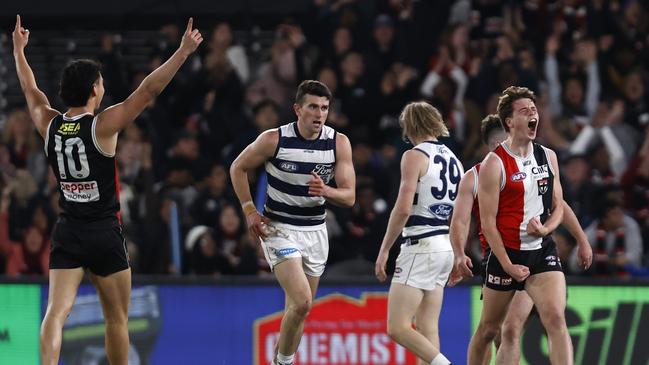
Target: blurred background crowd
[[586, 60]]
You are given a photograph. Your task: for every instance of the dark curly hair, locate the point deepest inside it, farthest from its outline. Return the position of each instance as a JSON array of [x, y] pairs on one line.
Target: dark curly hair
[[77, 79]]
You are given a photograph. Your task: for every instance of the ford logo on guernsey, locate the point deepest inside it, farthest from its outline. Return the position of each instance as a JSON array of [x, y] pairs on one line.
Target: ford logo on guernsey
[[325, 171], [518, 176], [288, 166], [284, 251], [441, 211]]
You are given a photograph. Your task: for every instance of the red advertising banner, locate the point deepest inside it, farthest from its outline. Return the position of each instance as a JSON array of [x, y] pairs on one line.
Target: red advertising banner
[[340, 330]]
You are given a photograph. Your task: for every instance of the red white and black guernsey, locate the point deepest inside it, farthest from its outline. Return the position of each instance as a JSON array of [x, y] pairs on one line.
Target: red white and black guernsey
[[526, 190], [87, 176]]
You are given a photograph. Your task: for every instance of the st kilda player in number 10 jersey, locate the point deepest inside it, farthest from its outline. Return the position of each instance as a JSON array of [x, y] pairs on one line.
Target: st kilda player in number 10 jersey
[[88, 231], [87, 176]]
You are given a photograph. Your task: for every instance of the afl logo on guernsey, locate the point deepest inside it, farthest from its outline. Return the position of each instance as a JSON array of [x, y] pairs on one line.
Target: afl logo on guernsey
[[288, 166], [518, 176]]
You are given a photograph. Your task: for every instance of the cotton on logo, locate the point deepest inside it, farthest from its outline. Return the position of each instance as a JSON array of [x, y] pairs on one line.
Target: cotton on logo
[[518, 176], [340, 330]]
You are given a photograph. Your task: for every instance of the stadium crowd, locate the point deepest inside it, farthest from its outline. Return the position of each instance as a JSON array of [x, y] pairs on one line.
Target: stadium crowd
[[587, 62]]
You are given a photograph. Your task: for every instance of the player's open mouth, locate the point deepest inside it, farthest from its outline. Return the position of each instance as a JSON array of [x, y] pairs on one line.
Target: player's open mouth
[[532, 124], [317, 123]]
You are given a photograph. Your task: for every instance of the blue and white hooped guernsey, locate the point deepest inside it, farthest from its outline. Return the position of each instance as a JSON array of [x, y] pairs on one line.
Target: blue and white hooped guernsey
[[436, 192], [289, 171]]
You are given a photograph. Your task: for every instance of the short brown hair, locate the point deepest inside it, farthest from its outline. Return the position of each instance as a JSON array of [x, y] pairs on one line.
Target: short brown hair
[[489, 124], [419, 119], [311, 87], [506, 101]]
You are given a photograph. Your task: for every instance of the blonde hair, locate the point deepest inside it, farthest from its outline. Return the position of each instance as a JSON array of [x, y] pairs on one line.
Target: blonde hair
[[420, 119]]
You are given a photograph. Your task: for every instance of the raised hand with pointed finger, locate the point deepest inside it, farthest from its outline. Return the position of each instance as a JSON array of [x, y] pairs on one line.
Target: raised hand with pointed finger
[[191, 39], [20, 36]]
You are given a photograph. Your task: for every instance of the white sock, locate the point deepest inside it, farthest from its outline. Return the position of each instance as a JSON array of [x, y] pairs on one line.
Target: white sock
[[440, 360], [285, 359]]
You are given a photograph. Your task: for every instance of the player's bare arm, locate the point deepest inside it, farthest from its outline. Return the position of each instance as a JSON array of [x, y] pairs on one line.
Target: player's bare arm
[[345, 193], [413, 166], [584, 251], [534, 226], [488, 197], [459, 230], [39, 107], [253, 156], [115, 118]]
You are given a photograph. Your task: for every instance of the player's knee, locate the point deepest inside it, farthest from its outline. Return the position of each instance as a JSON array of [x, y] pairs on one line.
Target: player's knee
[[488, 331], [553, 319], [510, 332], [302, 307], [116, 319], [428, 332], [498, 339], [58, 313], [394, 331]]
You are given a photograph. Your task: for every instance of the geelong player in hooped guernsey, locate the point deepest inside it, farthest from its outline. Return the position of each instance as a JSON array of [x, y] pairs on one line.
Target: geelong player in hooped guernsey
[[302, 159], [430, 173], [521, 203], [288, 200]]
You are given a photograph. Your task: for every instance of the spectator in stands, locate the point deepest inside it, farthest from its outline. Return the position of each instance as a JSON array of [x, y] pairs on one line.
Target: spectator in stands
[[30, 255], [636, 100], [445, 85], [114, 69], [233, 238], [215, 194], [222, 42], [276, 78], [341, 43], [609, 159], [337, 119], [217, 91], [205, 256], [616, 242], [23, 145], [398, 85], [573, 102], [578, 189], [383, 50], [265, 115], [636, 190]]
